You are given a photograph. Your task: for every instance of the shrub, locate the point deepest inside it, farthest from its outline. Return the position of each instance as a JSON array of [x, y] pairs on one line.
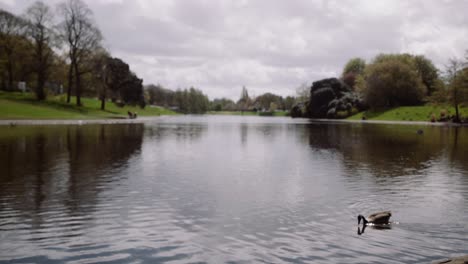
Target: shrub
[[392, 82]]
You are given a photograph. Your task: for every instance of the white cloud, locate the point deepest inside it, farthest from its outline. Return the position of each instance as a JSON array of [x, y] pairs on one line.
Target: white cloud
[[219, 46]]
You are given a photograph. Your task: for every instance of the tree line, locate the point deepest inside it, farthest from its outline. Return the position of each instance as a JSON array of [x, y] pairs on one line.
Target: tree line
[[392, 80], [194, 101], [58, 50], [44, 55]]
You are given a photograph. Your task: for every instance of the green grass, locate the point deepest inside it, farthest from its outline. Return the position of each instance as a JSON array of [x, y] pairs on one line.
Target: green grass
[[24, 106], [247, 113], [408, 113]]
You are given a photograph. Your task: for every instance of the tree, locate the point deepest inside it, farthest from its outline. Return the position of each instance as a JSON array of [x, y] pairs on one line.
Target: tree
[[289, 103], [273, 107], [222, 104], [353, 68], [428, 72], [191, 101], [131, 91], [355, 65], [264, 101], [244, 101], [11, 31], [303, 93], [39, 20], [118, 71], [82, 37], [457, 79], [158, 95], [392, 81], [101, 74], [124, 84]]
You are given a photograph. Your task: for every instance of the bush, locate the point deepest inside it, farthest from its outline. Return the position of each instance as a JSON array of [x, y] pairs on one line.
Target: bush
[[393, 82]]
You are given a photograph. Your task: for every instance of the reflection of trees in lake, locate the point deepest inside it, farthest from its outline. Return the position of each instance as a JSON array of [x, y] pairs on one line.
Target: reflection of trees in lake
[[389, 149], [181, 132], [96, 153], [457, 147], [67, 164]]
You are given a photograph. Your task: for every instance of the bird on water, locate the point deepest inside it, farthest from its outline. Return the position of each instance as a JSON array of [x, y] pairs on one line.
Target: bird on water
[[380, 218]]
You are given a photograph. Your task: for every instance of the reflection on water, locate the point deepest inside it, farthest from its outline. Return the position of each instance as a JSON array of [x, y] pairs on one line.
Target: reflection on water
[[231, 189]]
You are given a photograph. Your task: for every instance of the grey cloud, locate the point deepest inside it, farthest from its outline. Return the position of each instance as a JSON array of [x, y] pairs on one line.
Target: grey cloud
[[219, 46]]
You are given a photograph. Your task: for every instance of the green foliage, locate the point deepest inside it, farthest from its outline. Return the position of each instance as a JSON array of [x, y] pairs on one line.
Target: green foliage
[[123, 83], [273, 107], [408, 113], [39, 18], [299, 110], [353, 69], [158, 95], [424, 67], [354, 65], [11, 48], [288, 103], [428, 73], [222, 104], [264, 101], [457, 82], [191, 101], [393, 80]]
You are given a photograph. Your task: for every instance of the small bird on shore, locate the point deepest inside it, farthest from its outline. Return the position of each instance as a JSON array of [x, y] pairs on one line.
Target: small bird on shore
[[380, 218]]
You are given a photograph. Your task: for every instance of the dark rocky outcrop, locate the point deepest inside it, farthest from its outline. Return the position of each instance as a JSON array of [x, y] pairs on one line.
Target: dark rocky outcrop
[[332, 98]]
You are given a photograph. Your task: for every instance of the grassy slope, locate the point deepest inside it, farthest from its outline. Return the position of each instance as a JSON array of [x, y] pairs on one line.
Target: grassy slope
[[24, 106], [408, 113]]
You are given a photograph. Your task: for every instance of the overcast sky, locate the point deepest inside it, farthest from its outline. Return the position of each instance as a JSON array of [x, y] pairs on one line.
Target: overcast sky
[[268, 46]]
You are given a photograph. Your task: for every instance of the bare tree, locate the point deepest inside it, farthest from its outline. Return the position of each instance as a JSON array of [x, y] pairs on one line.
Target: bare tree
[[82, 37], [11, 27], [453, 74], [39, 29], [303, 92]]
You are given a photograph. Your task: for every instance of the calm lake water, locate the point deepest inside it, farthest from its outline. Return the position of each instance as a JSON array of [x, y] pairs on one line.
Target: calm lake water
[[231, 189]]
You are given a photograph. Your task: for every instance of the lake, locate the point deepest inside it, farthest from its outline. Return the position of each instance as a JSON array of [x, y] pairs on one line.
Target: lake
[[231, 189]]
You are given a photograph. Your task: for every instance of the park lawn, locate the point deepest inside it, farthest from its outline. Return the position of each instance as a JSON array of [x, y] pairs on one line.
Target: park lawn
[[24, 106], [409, 113]]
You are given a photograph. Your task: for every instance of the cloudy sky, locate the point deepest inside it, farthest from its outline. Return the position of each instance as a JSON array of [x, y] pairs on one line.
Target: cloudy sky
[[219, 46]]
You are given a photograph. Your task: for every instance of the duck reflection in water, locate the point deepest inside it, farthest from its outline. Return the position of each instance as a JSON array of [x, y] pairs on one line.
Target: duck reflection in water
[[360, 230]]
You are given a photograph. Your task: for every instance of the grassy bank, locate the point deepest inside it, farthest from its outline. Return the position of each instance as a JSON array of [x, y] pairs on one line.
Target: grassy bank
[[247, 113], [409, 113], [24, 106]]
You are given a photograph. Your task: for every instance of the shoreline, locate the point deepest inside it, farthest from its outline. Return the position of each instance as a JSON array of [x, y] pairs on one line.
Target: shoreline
[[139, 120], [46, 122], [387, 122]]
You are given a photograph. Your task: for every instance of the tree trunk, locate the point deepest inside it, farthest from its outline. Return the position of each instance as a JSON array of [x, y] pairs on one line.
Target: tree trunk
[[10, 73], [70, 82], [457, 114], [103, 103], [103, 98], [40, 86], [41, 69], [78, 85]]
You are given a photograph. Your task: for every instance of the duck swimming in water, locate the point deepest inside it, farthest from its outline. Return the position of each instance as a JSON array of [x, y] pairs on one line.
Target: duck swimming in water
[[381, 218]]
